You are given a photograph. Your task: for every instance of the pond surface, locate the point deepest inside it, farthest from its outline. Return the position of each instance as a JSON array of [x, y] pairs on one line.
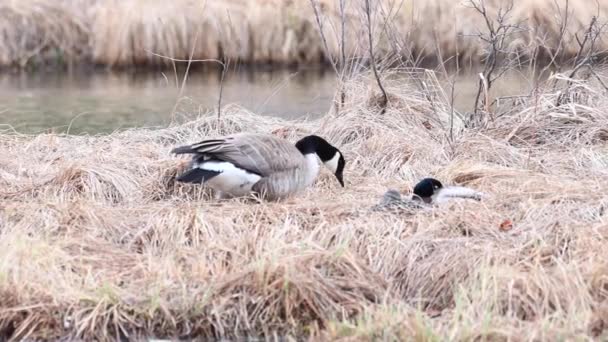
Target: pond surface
[[100, 101]]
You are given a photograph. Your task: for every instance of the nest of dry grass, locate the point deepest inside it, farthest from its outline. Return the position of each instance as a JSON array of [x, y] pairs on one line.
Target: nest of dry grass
[[97, 240]]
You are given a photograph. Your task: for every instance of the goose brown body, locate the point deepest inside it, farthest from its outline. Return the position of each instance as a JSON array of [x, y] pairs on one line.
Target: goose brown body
[[275, 167]]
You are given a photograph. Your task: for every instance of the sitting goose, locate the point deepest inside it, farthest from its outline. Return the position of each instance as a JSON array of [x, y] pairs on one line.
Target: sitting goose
[[243, 163], [392, 200], [427, 191], [430, 190]]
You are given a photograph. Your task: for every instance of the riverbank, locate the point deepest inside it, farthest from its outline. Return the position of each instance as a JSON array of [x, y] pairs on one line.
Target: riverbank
[[98, 241], [133, 33]]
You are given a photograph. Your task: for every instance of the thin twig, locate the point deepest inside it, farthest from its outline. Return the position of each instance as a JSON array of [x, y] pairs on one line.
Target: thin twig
[[183, 86], [368, 14], [342, 53], [497, 31], [322, 34], [219, 100], [598, 78], [563, 21], [592, 34], [190, 61], [184, 60]]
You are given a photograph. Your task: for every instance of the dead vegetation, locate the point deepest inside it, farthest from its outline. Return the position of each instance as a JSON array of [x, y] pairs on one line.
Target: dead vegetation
[[126, 33], [97, 241]]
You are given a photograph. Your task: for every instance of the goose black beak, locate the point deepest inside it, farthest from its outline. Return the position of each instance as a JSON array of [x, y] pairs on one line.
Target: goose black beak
[[339, 176]]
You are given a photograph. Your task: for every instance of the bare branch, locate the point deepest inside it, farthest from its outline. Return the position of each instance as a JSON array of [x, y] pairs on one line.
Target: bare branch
[[181, 90], [497, 31], [342, 52], [219, 99], [322, 34], [582, 59], [368, 13]]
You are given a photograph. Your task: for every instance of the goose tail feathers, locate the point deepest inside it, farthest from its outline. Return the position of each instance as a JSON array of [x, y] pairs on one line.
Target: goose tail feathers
[[197, 175], [183, 150]]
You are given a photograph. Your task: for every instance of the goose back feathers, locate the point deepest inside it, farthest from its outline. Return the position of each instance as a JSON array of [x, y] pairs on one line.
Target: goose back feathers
[[239, 164]]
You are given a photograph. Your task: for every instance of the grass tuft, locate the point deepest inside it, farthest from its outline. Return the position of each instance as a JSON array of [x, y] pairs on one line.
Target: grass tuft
[[97, 240]]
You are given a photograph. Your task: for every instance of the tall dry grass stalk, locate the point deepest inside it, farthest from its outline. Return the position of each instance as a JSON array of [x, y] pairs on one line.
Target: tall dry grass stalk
[[38, 31], [113, 32], [98, 241]]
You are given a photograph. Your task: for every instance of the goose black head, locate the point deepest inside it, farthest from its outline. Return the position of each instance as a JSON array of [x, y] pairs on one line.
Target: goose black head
[[331, 157], [426, 188]]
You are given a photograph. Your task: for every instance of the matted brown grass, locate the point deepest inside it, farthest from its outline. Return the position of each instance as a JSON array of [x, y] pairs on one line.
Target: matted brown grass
[[131, 32], [98, 241]]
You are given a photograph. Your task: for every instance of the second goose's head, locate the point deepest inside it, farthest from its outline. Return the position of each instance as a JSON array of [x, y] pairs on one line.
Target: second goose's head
[[331, 157], [426, 188]]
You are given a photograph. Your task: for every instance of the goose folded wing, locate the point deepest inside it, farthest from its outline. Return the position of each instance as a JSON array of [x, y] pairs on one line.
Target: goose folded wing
[[257, 153]]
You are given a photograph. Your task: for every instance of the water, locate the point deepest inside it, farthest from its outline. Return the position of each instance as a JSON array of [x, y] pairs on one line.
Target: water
[[100, 101]]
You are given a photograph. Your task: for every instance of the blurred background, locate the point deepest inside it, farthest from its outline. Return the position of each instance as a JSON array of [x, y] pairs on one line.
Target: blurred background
[[95, 66]]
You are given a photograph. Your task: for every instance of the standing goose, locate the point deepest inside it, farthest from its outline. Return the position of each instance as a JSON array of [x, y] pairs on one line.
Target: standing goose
[[239, 164]]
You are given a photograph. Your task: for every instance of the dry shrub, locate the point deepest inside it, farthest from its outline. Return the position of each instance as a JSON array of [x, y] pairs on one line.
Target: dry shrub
[[540, 21], [298, 287], [580, 118], [128, 253], [40, 31], [125, 32], [430, 270], [134, 32], [381, 323]]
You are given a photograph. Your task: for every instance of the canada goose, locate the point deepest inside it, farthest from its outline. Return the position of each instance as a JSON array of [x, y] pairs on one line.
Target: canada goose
[[427, 192], [392, 200], [390, 196], [430, 190], [244, 163]]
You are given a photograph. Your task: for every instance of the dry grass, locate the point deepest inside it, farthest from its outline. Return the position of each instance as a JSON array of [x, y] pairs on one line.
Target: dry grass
[[114, 32], [37, 31], [98, 241]]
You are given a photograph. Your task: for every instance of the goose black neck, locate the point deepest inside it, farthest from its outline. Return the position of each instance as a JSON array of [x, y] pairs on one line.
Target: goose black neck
[[315, 144], [427, 187]]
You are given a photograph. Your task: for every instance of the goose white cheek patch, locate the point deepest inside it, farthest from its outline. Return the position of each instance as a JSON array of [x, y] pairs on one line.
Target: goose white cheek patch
[[332, 164]]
